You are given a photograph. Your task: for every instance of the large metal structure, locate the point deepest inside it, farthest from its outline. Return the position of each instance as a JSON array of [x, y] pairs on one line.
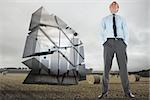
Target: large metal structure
[[53, 51]]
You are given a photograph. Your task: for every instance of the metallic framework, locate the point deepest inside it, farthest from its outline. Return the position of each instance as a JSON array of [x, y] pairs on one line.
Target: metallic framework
[[53, 51]]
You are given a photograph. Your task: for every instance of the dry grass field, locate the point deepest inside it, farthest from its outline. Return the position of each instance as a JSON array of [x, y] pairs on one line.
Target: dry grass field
[[11, 88]]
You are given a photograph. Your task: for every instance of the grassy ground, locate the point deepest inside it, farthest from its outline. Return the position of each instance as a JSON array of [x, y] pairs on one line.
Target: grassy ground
[[11, 88]]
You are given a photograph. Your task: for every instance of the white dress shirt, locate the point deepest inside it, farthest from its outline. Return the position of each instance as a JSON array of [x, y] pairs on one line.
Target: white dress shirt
[[107, 28]]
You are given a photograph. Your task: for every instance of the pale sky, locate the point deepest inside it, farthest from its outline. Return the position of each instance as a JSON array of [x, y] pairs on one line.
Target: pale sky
[[83, 16]]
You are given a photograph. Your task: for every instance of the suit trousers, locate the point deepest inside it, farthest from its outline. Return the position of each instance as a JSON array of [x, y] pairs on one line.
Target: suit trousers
[[118, 47]]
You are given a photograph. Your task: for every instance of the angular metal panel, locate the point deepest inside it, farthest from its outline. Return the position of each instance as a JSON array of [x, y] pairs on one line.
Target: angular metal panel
[[42, 17], [45, 63], [35, 19], [62, 65], [40, 79], [32, 63], [35, 65], [30, 45], [81, 51], [73, 58], [52, 33], [43, 43], [64, 41], [82, 72], [69, 81], [54, 63], [37, 44], [60, 22], [70, 77]]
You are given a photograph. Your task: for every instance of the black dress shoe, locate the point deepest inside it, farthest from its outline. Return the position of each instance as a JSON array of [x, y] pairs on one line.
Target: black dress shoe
[[103, 95], [129, 95]]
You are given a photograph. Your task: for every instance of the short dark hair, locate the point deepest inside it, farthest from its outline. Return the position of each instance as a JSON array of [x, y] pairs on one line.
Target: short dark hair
[[114, 2]]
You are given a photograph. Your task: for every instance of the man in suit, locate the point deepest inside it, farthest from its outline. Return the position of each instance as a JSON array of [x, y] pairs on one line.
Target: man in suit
[[114, 35]]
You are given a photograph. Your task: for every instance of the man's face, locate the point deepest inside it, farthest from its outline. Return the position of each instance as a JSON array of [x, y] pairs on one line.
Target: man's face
[[114, 8]]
